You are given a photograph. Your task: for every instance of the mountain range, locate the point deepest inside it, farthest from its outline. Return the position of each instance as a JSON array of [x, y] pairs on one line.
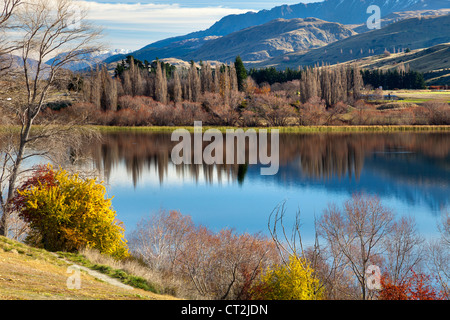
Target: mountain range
[[88, 60], [272, 39], [271, 35], [342, 11], [413, 33]]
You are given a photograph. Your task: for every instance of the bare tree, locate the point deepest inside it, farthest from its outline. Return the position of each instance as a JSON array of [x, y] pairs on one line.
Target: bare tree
[[177, 90], [159, 239], [206, 78], [290, 243], [357, 232], [213, 265], [403, 249], [43, 29], [160, 84], [195, 86], [8, 9], [438, 259]]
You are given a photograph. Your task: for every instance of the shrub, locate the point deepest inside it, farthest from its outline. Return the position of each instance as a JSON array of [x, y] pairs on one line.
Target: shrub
[[211, 265], [312, 112], [293, 281], [438, 111], [67, 213], [187, 112], [414, 287], [249, 118]]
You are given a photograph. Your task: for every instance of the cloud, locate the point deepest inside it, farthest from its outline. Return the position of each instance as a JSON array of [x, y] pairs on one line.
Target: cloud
[[158, 21]]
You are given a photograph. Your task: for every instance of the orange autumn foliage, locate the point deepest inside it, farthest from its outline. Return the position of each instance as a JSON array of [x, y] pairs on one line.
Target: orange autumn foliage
[[414, 287]]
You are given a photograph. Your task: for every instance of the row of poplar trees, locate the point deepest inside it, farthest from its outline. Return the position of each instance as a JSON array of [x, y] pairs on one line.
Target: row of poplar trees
[[160, 81], [165, 83], [331, 84]]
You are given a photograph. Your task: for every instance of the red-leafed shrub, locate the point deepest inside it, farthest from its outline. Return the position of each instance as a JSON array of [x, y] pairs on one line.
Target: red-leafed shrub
[[417, 286]]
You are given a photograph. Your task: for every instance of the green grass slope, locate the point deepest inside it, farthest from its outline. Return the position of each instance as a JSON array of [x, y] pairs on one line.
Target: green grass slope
[[27, 273]]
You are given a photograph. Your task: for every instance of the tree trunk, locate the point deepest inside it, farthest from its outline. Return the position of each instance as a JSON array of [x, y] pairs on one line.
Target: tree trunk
[[12, 180]]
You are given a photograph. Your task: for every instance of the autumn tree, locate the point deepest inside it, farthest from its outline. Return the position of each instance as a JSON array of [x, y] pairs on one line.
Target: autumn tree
[[109, 94], [177, 95], [67, 212], [160, 84], [41, 29], [216, 80], [332, 84], [207, 78], [292, 281], [213, 265], [194, 83], [224, 83], [416, 286]]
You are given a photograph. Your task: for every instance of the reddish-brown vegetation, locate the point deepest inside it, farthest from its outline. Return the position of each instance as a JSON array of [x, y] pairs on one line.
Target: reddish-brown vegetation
[[164, 97], [416, 286]]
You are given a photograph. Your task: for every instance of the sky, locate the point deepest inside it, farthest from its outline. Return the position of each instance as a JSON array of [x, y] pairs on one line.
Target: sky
[[129, 24]]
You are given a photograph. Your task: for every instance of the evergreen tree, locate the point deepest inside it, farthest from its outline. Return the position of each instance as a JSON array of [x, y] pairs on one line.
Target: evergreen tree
[[241, 73]]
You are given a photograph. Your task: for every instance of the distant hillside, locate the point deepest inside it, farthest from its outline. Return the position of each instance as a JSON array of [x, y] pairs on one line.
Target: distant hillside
[[434, 62], [176, 49], [341, 11], [414, 33], [272, 39], [398, 16]]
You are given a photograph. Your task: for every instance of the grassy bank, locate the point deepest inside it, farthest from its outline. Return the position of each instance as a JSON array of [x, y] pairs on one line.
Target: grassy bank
[[289, 129], [27, 273]]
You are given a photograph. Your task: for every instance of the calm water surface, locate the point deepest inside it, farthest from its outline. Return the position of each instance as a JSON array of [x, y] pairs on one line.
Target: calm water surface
[[410, 172]]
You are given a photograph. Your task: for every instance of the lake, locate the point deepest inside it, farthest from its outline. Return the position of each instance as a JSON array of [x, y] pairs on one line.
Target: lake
[[409, 172]]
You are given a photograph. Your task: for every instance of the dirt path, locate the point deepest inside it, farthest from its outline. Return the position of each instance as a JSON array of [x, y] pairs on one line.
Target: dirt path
[[103, 277], [97, 274]]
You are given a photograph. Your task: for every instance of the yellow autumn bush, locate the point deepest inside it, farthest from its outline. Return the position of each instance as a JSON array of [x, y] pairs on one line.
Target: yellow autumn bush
[[66, 212], [292, 281]]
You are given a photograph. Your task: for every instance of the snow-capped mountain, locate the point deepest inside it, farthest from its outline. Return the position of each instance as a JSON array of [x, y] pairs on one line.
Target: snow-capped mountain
[[85, 61]]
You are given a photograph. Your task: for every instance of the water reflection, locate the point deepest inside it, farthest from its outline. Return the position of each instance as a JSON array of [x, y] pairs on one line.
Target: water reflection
[[412, 166]]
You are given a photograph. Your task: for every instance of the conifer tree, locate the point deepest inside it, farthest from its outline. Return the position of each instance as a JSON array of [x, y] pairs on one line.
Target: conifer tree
[[241, 73]]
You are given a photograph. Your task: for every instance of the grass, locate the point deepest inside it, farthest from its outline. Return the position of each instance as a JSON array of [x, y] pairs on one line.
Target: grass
[[122, 275], [287, 129], [28, 273]]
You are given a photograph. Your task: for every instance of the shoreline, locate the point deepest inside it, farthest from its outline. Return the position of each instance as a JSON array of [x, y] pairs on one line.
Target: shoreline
[[287, 129]]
